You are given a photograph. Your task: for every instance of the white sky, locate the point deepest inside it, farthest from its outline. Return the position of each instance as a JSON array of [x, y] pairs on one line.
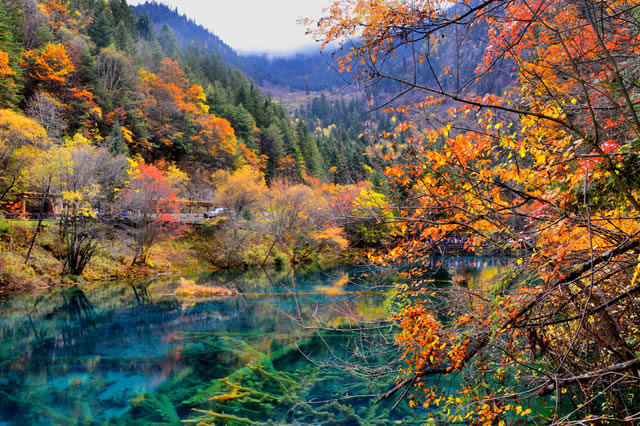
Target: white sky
[[253, 26]]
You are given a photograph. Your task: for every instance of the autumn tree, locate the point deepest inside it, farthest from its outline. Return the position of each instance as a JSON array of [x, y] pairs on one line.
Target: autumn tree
[[51, 67], [549, 166], [36, 31], [369, 222], [150, 207], [48, 111], [301, 222], [42, 171], [178, 118], [87, 186], [241, 194], [18, 134], [52, 70], [115, 78], [59, 15]]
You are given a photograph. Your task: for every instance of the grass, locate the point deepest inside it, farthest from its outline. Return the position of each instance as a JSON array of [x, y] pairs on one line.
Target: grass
[[113, 260], [192, 252], [190, 288]]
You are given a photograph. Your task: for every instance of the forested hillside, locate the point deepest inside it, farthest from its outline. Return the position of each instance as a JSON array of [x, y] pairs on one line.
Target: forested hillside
[[98, 70], [112, 76], [116, 126]]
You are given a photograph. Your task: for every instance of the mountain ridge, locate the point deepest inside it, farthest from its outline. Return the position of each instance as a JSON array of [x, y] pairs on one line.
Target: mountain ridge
[[305, 70]]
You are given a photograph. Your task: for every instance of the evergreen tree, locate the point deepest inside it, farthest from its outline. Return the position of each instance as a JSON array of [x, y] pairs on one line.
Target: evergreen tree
[[116, 141], [123, 16], [123, 38], [101, 29], [272, 147], [144, 26], [309, 148], [168, 41], [10, 73]]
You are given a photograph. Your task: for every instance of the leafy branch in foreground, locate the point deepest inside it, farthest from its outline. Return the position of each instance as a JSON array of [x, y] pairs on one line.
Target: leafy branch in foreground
[[549, 166]]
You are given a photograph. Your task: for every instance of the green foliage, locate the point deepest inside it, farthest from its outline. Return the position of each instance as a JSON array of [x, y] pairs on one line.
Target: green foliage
[[5, 226], [102, 29], [370, 214], [116, 141], [309, 149], [11, 83], [280, 258], [144, 26], [273, 147]]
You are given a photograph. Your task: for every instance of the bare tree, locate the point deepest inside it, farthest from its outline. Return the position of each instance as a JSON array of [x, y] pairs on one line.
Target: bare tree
[[46, 110], [115, 74]]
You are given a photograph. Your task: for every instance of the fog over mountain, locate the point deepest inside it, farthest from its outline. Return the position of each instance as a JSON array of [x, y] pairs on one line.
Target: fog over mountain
[[306, 69]]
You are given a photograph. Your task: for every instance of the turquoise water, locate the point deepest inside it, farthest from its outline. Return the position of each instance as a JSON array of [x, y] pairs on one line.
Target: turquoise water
[[135, 353]]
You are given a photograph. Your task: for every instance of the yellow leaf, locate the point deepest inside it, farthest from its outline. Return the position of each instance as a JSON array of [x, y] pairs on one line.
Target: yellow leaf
[[522, 152]]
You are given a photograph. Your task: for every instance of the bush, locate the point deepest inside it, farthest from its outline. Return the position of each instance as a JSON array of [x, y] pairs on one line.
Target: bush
[[5, 226], [14, 274], [280, 258]]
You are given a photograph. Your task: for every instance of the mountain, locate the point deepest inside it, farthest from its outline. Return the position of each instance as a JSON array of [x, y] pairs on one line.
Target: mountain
[[308, 71]]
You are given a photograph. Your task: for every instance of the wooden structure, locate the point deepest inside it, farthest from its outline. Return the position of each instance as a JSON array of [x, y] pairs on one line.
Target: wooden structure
[[54, 201]]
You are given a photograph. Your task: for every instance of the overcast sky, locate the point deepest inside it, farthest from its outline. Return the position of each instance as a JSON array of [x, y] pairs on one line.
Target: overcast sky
[[253, 26]]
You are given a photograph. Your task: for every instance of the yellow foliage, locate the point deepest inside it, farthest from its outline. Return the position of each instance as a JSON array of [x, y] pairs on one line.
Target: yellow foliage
[[333, 235], [241, 190], [336, 288], [175, 176], [190, 288], [127, 134], [17, 129], [78, 141]]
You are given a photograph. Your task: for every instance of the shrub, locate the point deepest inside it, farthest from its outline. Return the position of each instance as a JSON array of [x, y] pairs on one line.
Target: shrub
[[5, 226]]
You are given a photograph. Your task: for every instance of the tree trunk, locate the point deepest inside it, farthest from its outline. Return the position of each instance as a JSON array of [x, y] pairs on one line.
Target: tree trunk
[[45, 193]]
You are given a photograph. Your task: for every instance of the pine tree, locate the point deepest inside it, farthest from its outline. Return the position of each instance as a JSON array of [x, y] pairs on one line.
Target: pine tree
[[101, 30], [144, 26], [10, 73], [168, 41], [309, 148], [272, 147], [116, 141], [123, 16]]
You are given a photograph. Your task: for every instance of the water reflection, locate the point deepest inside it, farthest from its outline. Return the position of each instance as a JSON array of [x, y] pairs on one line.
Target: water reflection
[[133, 352]]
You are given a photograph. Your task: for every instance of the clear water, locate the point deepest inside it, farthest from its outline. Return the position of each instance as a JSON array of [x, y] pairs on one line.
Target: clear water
[[134, 353]]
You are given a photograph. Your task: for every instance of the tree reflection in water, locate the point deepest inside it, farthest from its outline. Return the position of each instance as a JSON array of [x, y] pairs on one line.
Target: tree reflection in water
[[133, 353]]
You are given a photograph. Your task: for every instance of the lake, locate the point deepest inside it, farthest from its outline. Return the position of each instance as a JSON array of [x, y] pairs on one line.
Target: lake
[[283, 350]]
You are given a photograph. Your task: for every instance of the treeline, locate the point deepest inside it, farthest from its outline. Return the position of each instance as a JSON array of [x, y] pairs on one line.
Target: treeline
[[347, 136]]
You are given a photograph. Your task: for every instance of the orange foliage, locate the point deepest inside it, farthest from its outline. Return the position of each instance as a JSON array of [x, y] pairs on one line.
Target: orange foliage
[[58, 15], [52, 69], [548, 166], [51, 66], [5, 69], [252, 159], [170, 100]]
